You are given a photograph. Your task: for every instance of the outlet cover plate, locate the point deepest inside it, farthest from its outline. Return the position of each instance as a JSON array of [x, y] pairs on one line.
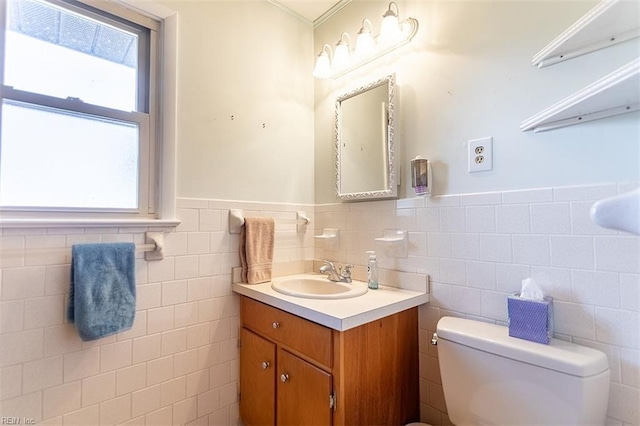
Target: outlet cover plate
[[480, 157]]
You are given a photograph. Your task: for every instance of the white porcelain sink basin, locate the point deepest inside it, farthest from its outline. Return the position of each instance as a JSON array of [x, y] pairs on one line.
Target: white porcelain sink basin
[[317, 287]]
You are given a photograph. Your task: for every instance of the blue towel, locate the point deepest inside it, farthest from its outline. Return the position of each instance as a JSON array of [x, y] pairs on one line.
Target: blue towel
[[102, 298]]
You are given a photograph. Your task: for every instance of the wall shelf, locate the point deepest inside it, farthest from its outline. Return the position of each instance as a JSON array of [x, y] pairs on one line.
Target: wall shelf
[[610, 22], [614, 94]]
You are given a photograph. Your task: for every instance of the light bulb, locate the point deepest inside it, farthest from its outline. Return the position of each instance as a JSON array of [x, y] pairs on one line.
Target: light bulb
[[365, 45], [323, 64], [390, 32]]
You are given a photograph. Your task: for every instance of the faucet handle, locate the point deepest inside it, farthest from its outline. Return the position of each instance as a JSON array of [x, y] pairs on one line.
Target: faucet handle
[[327, 262], [346, 271]]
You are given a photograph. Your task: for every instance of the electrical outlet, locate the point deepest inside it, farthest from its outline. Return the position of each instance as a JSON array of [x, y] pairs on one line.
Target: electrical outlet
[[480, 155]]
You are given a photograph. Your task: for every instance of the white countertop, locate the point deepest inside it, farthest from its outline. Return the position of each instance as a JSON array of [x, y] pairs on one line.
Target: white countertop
[[338, 314]]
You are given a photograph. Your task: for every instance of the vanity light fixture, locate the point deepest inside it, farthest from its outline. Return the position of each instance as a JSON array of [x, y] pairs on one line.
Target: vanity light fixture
[[393, 34], [323, 63]]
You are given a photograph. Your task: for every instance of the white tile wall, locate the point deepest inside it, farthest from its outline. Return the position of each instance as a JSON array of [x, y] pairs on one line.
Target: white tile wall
[[179, 363], [479, 247]]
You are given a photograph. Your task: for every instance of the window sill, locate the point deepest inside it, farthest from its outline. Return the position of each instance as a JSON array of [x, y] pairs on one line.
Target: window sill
[[87, 223]]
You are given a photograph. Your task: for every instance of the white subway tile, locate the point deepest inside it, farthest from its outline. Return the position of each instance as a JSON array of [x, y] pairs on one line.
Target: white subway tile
[[208, 402], [617, 327], [42, 374], [623, 403], [220, 329], [61, 399], [584, 192], [494, 305], [186, 314], [439, 245], [554, 282], [509, 277], [57, 279], [161, 417], [131, 379], [98, 388], [531, 249], [25, 406], [630, 367], [22, 346], [229, 349], [417, 244], [481, 199], [197, 383], [174, 341], [160, 319], [228, 394], [61, 339], [406, 219], [174, 292], [428, 219], [550, 218], [145, 401], [617, 253], [630, 291], [209, 355], [44, 311], [572, 251], [452, 219], [175, 244], [513, 219], [11, 316], [173, 391], [115, 355], [538, 195], [185, 362], [138, 329], [115, 411], [453, 271], [465, 246], [147, 347], [198, 243], [11, 382], [190, 220], [495, 247], [210, 309], [148, 296], [596, 288], [83, 417], [211, 220], [481, 219], [574, 319], [443, 201], [198, 335], [185, 411], [467, 300], [22, 283], [198, 289], [222, 416], [161, 270], [481, 275], [159, 370], [219, 375], [410, 203], [187, 267], [209, 264], [80, 364]]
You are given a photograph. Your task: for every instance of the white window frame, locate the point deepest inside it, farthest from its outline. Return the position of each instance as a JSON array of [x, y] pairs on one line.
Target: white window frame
[[157, 158]]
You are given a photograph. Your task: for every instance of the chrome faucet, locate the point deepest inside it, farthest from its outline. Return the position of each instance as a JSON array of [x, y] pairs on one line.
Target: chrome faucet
[[333, 275]]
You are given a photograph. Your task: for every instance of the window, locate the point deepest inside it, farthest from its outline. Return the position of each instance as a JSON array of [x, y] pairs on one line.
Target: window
[[78, 114]]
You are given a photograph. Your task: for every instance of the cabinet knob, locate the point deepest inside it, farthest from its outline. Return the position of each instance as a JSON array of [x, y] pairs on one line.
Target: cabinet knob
[[265, 365], [284, 377], [275, 325]]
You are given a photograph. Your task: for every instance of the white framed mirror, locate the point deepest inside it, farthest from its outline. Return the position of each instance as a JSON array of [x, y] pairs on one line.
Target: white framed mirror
[[365, 145]]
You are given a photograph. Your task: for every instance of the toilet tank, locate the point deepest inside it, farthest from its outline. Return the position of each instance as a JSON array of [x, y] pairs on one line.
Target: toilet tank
[[490, 378]]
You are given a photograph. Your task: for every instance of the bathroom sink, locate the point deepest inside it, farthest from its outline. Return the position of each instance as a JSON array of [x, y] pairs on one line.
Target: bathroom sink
[[317, 287]]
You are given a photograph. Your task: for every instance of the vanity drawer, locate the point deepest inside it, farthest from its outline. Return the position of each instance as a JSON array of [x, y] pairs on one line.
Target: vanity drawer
[[304, 336]]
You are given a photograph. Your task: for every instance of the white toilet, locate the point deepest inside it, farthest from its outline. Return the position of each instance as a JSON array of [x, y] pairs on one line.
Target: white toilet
[[490, 378]]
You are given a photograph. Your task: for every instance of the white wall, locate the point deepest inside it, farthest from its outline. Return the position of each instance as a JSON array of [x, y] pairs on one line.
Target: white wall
[[468, 74], [252, 61]]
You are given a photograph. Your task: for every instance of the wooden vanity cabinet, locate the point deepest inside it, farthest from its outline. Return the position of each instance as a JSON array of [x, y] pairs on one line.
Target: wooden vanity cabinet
[[297, 372]]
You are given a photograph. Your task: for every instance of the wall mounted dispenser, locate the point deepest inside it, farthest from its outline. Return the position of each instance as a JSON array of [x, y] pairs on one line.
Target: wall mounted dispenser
[[421, 176]]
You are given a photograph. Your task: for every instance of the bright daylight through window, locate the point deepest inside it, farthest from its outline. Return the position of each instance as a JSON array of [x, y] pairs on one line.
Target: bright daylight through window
[[77, 128]]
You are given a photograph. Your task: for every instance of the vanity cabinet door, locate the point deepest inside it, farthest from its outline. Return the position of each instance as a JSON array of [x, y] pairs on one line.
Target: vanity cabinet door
[[303, 392], [257, 379]]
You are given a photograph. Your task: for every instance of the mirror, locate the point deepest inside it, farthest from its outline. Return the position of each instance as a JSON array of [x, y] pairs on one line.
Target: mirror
[[365, 149]]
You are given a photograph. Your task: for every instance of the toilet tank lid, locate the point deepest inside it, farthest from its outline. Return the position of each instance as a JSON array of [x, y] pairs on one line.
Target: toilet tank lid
[[559, 355]]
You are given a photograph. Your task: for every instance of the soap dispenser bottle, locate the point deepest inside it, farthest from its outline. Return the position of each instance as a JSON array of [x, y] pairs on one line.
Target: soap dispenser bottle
[[372, 270]]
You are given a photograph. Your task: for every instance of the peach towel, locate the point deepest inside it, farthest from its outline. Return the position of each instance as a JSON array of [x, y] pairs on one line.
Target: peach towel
[[256, 249]]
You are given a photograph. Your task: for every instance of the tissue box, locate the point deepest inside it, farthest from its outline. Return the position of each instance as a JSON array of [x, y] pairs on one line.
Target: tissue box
[[530, 319]]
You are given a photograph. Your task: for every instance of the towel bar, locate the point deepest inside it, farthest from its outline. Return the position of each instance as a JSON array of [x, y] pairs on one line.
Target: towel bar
[[236, 220], [153, 249]]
